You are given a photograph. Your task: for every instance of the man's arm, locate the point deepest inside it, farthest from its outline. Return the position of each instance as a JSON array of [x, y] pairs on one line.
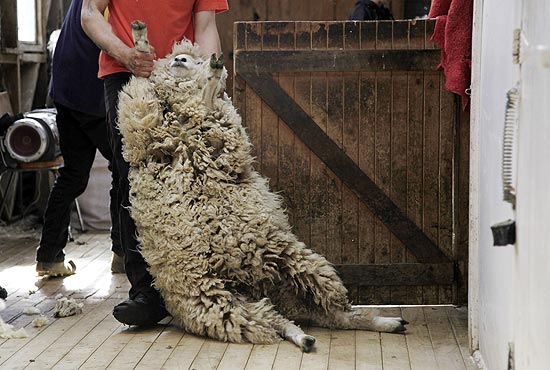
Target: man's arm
[[206, 33], [99, 30]]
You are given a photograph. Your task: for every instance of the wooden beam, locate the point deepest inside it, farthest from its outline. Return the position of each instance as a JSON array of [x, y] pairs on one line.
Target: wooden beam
[[345, 168], [5, 104], [34, 58], [8, 58], [43, 21], [398, 274], [29, 77], [32, 48], [398, 9], [8, 26], [12, 80], [274, 61]]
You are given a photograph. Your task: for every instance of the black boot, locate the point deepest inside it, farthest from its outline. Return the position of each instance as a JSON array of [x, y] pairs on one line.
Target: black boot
[[142, 310]]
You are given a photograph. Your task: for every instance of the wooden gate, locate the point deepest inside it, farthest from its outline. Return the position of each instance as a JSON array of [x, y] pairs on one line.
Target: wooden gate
[[351, 123]]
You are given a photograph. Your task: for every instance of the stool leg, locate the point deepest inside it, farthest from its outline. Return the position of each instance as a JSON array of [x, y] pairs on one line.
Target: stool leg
[[79, 215], [5, 195], [70, 230], [37, 192]]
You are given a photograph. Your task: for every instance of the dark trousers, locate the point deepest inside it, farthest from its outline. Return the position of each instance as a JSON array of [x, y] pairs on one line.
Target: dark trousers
[[80, 134], [135, 265]]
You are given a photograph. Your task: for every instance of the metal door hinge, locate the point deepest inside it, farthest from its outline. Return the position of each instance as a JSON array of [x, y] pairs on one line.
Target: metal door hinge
[[511, 360], [516, 46], [522, 50]]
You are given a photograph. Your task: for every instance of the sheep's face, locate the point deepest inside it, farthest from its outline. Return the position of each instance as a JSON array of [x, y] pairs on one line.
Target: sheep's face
[[185, 65]]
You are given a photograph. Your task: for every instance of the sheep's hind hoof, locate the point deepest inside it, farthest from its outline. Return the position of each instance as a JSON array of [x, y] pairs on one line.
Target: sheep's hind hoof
[[401, 328], [307, 343], [216, 63]]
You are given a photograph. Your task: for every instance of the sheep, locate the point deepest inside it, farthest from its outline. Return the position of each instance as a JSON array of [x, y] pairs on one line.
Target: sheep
[[217, 240]]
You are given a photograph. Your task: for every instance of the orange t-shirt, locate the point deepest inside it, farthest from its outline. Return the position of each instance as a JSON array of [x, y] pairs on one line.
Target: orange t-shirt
[[168, 21]]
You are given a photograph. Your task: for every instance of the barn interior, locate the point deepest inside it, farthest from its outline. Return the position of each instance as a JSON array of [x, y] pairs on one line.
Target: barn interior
[[380, 166]]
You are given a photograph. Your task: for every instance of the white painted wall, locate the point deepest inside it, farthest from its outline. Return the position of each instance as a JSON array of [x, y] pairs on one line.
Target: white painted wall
[[532, 301], [492, 286], [509, 293]]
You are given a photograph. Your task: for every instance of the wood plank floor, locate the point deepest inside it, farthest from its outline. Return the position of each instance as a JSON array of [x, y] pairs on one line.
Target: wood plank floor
[[436, 338]]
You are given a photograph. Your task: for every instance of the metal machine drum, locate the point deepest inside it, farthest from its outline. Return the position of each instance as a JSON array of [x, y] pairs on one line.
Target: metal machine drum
[[33, 137]]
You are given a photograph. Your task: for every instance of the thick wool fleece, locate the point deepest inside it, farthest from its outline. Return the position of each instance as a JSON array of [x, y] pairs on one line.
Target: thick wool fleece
[[218, 242]]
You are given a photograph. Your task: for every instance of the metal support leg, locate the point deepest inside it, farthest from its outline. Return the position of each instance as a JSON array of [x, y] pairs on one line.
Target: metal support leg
[[79, 215], [12, 174]]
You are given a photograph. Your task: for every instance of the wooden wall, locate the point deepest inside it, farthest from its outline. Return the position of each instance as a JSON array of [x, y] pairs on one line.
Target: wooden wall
[[284, 10], [388, 114], [26, 76], [24, 69]]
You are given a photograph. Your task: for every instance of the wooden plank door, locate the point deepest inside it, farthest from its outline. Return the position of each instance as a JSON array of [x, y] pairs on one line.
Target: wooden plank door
[[351, 123]]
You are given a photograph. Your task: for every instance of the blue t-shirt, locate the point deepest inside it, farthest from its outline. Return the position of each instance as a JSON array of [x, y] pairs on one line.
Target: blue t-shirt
[[74, 69]]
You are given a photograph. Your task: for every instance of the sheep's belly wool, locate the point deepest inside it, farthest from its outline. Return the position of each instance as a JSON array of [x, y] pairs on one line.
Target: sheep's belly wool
[[218, 242]]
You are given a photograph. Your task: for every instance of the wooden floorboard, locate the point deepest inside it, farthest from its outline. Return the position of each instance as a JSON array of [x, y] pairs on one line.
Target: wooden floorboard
[[262, 357], [459, 323], [82, 350], [287, 357], [161, 349], [447, 352], [184, 353], [437, 337], [318, 359], [34, 346], [395, 355], [419, 343], [342, 350], [210, 355], [368, 349], [58, 348], [136, 348], [235, 357]]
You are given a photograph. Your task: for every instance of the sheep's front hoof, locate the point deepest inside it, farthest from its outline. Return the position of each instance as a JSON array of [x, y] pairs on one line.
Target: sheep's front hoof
[[216, 63], [307, 342]]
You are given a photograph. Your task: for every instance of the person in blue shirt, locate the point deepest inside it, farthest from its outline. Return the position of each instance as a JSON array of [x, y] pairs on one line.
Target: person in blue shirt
[[78, 96], [370, 10]]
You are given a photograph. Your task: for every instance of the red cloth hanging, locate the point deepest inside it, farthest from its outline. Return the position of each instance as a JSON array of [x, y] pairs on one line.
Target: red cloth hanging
[[453, 33]]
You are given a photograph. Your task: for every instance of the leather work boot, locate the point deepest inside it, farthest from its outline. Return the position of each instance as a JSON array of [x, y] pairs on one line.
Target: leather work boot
[[55, 268], [117, 264], [141, 311]]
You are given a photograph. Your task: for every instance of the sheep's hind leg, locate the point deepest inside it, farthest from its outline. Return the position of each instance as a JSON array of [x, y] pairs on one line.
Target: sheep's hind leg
[[311, 273], [361, 318], [364, 318]]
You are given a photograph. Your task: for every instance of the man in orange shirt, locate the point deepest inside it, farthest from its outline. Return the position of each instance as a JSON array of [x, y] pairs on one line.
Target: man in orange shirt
[[167, 21]]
